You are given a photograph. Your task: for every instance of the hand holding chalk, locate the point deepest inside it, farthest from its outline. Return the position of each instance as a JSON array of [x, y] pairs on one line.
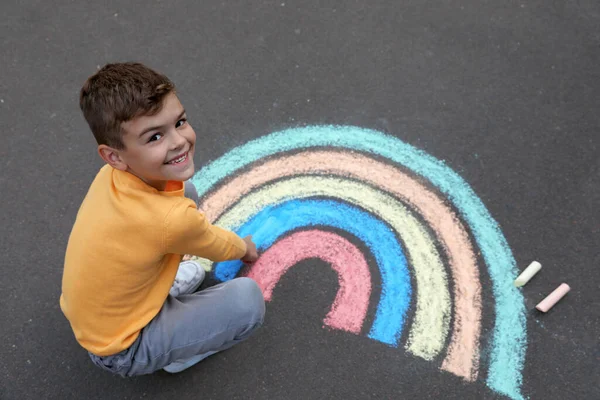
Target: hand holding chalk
[[251, 253], [529, 272]]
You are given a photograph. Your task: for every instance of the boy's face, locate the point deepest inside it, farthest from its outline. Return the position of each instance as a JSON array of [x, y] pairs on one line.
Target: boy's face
[[160, 147]]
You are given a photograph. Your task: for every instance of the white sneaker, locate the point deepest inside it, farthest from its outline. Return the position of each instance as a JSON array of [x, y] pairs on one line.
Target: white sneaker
[[189, 278]]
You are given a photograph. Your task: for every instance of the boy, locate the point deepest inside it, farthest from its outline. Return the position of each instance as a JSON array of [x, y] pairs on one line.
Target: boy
[[127, 295]]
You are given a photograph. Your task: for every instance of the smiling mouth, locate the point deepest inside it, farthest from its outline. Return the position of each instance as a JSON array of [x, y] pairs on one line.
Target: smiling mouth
[[179, 159]]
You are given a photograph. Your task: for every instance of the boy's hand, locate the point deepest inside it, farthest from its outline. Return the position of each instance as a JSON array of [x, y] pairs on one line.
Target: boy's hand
[[251, 253]]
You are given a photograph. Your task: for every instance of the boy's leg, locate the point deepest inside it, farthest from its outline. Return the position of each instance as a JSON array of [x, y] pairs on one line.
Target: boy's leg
[[196, 325]]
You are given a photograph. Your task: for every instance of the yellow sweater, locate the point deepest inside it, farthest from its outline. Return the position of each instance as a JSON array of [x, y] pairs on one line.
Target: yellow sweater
[[123, 254]]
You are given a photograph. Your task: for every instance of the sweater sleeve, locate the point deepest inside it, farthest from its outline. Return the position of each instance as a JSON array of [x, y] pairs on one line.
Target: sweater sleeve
[[187, 231]]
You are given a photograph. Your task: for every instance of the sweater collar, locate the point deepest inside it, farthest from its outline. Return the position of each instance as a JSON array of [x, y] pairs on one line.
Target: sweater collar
[[124, 179]]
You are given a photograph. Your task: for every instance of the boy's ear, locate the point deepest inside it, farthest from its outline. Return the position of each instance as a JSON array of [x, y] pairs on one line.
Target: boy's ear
[[112, 157]]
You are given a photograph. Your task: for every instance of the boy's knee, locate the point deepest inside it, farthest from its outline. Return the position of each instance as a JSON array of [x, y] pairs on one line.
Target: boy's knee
[[251, 300]]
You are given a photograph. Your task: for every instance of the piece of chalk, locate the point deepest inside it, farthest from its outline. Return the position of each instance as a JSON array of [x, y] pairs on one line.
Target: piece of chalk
[[528, 273], [553, 298]]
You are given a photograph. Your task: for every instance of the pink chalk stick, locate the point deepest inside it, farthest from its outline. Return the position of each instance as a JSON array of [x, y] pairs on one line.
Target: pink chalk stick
[[553, 298]]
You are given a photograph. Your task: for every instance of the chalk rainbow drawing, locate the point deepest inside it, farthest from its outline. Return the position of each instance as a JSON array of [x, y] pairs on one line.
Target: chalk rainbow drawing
[[288, 187]]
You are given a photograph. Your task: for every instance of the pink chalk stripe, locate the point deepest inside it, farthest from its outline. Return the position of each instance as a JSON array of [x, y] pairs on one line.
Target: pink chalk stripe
[[462, 358], [350, 305]]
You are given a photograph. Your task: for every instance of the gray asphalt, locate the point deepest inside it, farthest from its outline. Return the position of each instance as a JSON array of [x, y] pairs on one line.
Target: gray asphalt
[[507, 92]]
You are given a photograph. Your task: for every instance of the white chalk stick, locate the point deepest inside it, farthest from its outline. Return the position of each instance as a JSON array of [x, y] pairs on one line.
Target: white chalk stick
[[528, 273], [553, 298]]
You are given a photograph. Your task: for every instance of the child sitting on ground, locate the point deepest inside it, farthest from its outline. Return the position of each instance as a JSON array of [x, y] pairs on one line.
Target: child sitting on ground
[[128, 296]]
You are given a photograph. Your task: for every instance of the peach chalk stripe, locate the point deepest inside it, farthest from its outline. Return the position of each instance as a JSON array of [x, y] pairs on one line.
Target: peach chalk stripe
[[462, 358], [349, 308]]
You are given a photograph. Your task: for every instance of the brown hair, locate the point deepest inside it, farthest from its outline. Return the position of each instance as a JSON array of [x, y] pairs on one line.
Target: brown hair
[[118, 93]]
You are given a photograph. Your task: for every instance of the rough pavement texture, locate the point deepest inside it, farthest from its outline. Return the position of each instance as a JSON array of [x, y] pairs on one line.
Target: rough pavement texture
[[508, 93]]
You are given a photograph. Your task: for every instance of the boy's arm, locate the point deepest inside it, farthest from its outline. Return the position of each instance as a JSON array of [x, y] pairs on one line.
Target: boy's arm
[[187, 231]]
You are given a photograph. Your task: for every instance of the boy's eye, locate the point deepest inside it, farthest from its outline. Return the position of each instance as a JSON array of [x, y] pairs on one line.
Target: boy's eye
[[181, 122], [155, 137]]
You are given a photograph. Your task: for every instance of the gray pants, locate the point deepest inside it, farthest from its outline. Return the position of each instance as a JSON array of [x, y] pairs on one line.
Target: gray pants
[[204, 322]]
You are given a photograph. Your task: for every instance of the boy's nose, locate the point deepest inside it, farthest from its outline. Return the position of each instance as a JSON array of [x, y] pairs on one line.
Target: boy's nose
[[178, 140]]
